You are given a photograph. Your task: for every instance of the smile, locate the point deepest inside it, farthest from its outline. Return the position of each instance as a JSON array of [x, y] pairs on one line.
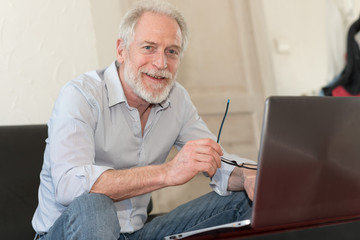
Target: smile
[[155, 76]]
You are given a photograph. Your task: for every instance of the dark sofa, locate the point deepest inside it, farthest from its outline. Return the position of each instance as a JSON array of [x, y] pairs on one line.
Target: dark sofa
[[21, 154]]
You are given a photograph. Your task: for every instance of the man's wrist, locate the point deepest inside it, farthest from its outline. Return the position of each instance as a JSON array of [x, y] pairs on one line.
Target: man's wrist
[[236, 180]]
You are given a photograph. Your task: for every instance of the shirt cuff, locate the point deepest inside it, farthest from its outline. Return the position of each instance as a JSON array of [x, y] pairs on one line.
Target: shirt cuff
[[89, 174], [219, 182], [77, 181]]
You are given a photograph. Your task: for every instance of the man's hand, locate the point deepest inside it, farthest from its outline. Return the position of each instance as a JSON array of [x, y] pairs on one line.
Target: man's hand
[[196, 156], [243, 179], [249, 182]]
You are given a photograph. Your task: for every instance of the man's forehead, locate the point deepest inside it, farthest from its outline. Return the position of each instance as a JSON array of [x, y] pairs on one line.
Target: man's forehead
[[150, 26]]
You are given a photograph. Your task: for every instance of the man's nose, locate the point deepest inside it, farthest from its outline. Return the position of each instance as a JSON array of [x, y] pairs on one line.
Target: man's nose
[[160, 60]]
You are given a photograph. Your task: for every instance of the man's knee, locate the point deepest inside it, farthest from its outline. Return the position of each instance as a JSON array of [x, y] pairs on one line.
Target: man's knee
[[96, 213], [89, 216], [92, 199], [94, 204]]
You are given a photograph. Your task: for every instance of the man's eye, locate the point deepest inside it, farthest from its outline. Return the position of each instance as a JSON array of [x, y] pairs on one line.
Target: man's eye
[[148, 47], [172, 52]]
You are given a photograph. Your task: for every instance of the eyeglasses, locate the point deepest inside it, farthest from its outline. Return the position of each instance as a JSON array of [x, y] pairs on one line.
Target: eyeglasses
[[229, 161], [243, 165]]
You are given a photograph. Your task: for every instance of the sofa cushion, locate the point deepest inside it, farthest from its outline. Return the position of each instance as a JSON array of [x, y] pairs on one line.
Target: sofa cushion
[[21, 153]]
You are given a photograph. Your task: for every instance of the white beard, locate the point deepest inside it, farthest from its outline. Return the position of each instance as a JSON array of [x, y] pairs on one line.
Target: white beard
[[159, 91]]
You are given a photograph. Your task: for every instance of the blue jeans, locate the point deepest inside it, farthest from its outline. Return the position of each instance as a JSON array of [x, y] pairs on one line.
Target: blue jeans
[[93, 216]]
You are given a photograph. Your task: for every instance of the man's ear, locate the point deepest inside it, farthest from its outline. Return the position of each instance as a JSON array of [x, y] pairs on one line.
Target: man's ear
[[120, 51]]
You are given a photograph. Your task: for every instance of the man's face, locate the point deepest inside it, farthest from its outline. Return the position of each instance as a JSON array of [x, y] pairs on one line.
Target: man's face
[[151, 61]]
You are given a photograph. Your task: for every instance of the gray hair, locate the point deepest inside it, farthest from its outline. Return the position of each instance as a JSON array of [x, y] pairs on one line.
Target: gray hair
[[127, 26]]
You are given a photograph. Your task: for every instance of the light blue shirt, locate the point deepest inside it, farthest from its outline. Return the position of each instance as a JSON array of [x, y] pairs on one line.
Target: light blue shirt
[[92, 129]]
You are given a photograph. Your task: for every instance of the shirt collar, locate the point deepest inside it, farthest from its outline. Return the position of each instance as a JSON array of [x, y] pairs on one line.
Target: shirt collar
[[114, 88], [116, 92]]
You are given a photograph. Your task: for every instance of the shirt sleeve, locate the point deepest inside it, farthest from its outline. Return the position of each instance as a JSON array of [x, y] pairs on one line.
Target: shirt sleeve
[[195, 128], [71, 145]]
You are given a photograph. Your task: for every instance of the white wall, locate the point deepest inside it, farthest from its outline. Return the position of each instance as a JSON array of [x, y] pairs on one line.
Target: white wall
[[106, 19], [307, 41], [43, 44]]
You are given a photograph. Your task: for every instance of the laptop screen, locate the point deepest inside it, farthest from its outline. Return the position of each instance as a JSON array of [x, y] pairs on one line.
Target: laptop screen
[[309, 161]]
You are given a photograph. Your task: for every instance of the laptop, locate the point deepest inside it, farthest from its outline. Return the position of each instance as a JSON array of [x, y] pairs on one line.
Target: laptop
[[308, 164]]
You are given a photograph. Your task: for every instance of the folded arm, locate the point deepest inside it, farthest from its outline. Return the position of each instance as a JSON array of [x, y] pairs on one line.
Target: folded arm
[[243, 179]]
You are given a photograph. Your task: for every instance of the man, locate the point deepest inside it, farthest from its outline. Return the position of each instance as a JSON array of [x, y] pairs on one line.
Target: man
[[110, 133]]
